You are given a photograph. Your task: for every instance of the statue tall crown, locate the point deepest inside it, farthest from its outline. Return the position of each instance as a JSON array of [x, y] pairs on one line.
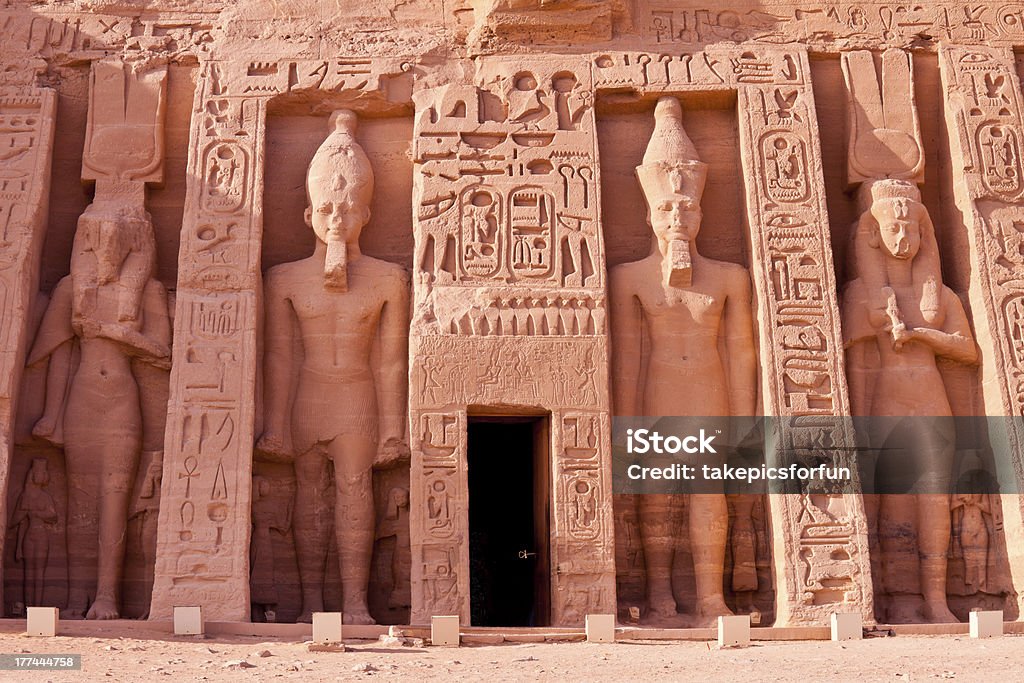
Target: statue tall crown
[[340, 160], [671, 165]]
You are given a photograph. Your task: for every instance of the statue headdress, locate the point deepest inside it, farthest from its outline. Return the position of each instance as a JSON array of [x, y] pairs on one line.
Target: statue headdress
[[866, 257], [341, 164]]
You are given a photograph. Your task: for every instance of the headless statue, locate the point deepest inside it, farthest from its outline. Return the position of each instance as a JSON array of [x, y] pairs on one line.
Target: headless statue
[[685, 307], [327, 316]]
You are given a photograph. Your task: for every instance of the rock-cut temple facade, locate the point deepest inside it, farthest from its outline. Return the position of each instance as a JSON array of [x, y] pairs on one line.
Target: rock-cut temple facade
[[313, 306]]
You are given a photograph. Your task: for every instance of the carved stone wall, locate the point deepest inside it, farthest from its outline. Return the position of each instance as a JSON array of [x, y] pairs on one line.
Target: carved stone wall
[[494, 188]]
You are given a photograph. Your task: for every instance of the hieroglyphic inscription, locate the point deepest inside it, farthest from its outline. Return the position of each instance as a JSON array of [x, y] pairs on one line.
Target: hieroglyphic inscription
[[441, 537], [508, 195], [583, 515], [510, 306], [985, 119], [203, 544], [91, 35], [800, 341], [984, 93], [27, 117], [204, 521], [864, 23]]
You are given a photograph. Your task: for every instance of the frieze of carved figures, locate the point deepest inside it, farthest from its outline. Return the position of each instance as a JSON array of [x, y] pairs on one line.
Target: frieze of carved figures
[[847, 23], [109, 314], [451, 371]]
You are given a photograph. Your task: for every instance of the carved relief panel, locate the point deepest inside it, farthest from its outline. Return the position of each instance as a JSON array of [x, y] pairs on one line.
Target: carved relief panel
[[27, 122], [510, 310], [800, 343], [986, 121], [202, 550]]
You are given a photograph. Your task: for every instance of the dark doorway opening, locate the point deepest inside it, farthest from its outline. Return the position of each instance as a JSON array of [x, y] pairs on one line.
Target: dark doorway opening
[[509, 496]]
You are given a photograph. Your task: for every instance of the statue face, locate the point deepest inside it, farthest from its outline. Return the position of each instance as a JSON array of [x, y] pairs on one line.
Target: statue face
[[337, 214], [898, 227], [676, 217]]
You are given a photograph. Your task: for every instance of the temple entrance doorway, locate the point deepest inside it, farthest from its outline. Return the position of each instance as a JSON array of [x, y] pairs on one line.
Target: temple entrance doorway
[[509, 533]]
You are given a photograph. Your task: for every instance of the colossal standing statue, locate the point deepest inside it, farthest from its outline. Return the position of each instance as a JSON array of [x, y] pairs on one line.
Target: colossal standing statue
[[685, 310], [100, 414], [335, 372], [898, 318]]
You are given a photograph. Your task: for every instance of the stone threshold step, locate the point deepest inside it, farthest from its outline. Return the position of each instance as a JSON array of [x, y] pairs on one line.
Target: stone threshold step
[[477, 634]]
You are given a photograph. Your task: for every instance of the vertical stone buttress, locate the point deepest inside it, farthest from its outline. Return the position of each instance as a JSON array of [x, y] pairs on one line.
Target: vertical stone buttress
[[28, 116]]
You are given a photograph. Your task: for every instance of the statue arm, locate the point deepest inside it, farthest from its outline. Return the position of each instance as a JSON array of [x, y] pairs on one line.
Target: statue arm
[[136, 272], [140, 344], [55, 328], [955, 340], [393, 376], [49, 512], [626, 320], [153, 342], [157, 320], [278, 364], [83, 265], [739, 344]]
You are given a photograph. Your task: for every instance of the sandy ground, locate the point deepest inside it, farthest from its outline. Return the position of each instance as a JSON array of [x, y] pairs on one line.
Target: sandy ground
[[902, 658]]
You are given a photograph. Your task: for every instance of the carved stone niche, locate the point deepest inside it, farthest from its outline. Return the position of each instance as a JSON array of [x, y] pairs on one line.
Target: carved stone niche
[[743, 544], [91, 422], [296, 496], [817, 541], [938, 554]]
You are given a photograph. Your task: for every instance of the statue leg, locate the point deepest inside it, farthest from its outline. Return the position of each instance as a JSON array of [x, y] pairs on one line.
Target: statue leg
[[659, 524], [312, 529], [353, 456], [82, 534], [933, 530], [709, 527], [119, 467]]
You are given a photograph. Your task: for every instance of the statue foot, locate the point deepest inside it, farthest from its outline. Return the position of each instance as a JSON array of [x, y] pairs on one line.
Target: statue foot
[[306, 617], [103, 609], [714, 606], [361, 616], [662, 613], [72, 613], [937, 612]]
